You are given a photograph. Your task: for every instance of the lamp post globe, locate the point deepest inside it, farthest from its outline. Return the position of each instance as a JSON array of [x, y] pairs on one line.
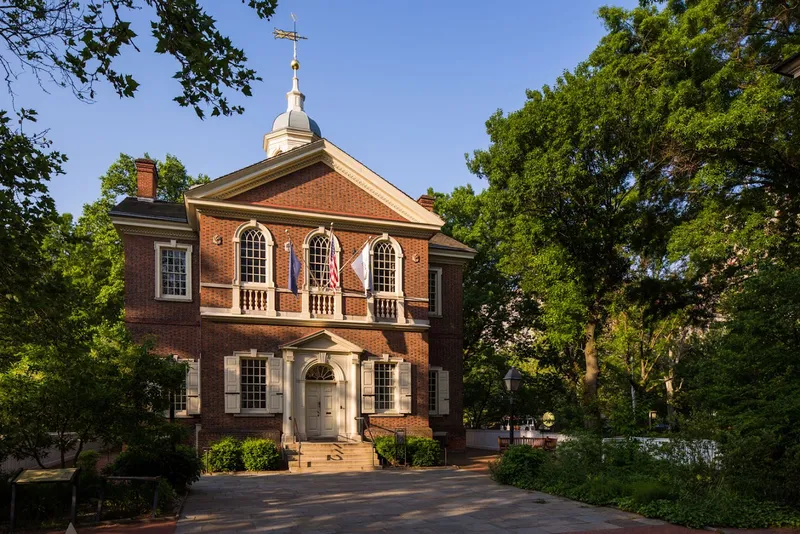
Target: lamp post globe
[[513, 380]]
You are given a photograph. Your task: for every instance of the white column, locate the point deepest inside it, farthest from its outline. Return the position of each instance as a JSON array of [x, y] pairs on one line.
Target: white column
[[354, 397], [288, 396]]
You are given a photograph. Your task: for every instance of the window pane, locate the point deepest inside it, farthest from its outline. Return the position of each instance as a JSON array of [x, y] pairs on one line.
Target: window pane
[[180, 399], [173, 272], [318, 260], [253, 256], [254, 383], [383, 267], [432, 304], [432, 391], [384, 386]]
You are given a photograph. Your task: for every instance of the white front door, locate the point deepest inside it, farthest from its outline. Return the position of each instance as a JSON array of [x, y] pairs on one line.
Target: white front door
[[320, 413]]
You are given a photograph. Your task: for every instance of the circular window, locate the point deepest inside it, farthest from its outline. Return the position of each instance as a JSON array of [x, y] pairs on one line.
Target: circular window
[[320, 372]]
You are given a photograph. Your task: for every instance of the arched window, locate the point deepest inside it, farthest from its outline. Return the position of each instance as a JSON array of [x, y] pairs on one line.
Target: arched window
[[318, 260], [253, 256], [320, 372], [384, 267]]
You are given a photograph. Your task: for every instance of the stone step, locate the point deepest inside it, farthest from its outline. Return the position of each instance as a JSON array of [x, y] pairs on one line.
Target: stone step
[[331, 469]]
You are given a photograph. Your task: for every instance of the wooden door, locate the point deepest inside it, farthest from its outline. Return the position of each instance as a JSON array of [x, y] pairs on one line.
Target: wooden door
[[313, 408]]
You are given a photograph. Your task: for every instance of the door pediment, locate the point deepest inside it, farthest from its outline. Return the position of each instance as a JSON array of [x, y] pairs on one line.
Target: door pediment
[[322, 341]]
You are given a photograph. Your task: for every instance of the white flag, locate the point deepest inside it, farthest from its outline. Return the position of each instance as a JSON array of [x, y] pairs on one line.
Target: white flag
[[361, 266]]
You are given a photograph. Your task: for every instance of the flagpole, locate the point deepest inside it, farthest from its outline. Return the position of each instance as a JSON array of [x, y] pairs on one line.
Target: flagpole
[[354, 255]]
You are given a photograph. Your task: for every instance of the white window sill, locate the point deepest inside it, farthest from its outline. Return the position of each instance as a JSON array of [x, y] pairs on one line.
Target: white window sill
[[435, 315], [174, 299], [254, 415], [387, 414]]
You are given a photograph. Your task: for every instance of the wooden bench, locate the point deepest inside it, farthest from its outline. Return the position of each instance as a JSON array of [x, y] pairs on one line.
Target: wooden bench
[[548, 444]]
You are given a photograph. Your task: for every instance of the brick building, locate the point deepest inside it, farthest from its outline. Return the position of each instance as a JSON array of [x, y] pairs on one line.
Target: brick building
[[208, 280]]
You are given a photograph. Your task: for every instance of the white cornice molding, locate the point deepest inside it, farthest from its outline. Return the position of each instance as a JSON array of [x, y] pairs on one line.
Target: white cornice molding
[[304, 218], [357, 322], [127, 225], [449, 256]]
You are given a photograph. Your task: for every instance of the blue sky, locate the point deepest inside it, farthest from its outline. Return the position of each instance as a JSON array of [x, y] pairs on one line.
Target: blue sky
[[404, 87]]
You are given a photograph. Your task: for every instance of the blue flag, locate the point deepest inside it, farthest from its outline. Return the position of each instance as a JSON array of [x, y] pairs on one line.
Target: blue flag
[[294, 269]]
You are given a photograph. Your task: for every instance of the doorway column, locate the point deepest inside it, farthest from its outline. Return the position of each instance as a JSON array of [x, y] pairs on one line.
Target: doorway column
[[288, 397], [354, 397]]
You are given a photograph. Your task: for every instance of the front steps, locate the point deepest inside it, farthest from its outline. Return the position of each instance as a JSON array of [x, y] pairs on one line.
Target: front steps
[[331, 457]]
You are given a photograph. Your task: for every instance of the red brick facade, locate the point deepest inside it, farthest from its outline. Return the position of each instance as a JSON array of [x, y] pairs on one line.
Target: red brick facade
[[201, 330]]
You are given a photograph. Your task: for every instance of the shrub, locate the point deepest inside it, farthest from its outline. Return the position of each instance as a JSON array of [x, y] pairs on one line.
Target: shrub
[[420, 452], [260, 455], [180, 466], [519, 466], [226, 455], [424, 452], [87, 461]]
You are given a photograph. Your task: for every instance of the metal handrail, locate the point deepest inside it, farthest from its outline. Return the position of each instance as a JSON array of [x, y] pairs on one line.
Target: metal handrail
[[367, 429]]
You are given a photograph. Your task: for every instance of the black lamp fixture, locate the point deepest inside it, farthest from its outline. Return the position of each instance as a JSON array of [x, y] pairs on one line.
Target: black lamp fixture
[[513, 380]]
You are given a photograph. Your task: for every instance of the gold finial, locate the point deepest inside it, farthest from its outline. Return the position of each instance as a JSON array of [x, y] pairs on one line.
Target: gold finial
[[291, 36]]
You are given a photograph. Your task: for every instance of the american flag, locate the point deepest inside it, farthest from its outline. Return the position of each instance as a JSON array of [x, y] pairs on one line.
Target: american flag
[[333, 265]]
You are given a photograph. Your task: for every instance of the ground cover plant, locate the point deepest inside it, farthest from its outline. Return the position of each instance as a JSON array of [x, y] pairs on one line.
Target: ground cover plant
[[670, 482]]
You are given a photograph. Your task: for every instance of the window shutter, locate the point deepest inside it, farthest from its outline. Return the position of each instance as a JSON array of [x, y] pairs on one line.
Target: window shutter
[[193, 388], [232, 386], [443, 392], [367, 386], [276, 385], [404, 386]]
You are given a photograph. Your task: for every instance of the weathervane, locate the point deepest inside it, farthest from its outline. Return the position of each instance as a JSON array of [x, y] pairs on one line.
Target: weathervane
[[292, 36]]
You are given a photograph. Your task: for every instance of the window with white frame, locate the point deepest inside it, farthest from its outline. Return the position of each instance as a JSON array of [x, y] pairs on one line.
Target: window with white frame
[[179, 400], [318, 266], [384, 267], [432, 391], [253, 375], [384, 387], [173, 271], [435, 292], [253, 256]]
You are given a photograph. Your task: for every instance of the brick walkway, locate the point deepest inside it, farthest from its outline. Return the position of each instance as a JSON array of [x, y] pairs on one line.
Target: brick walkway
[[430, 501]]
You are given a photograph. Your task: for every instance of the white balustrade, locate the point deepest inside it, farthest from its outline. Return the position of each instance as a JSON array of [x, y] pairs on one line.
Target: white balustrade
[[253, 300], [385, 308], [321, 304]]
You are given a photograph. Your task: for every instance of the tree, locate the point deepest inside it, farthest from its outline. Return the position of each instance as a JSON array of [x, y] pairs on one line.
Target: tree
[[75, 44]]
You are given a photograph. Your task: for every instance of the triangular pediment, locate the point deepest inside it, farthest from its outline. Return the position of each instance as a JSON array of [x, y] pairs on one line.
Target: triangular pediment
[[317, 177], [323, 341]]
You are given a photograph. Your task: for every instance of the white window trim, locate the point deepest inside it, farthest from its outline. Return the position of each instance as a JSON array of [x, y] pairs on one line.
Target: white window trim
[[395, 363], [270, 283], [250, 355], [438, 296], [307, 254], [398, 258], [173, 244], [238, 285]]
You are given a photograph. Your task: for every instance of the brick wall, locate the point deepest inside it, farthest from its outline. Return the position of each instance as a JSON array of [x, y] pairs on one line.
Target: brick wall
[[318, 188], [173, 326], [446, 351]]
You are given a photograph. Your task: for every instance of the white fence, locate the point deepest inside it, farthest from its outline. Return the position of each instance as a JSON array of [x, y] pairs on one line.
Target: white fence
[[487, 439], [698, 450], [52, 458]]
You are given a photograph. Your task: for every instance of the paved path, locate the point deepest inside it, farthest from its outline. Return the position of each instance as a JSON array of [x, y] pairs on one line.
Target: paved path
[[432, 501]]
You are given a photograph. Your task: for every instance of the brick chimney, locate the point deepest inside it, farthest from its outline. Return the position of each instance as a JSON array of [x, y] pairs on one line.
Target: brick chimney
[[426, 201], [147, 179]]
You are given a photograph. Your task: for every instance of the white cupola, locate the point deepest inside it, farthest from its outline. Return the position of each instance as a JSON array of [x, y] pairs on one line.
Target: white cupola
[[294, 127]]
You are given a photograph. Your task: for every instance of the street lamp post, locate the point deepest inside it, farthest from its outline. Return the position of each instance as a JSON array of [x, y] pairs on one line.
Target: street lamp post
[[513, 379]]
